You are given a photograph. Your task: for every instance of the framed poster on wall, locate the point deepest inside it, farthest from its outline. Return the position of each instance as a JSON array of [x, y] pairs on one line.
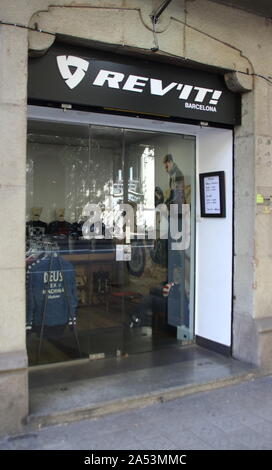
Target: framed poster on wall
[[212, 194]]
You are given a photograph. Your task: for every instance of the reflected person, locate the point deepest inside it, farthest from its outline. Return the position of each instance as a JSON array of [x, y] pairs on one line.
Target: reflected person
[[176, 196], [176, 183]]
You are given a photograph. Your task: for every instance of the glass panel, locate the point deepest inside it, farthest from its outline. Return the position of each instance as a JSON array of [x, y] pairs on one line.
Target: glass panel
[[57, 163], [160, 172], [106, 309], [71, 276]]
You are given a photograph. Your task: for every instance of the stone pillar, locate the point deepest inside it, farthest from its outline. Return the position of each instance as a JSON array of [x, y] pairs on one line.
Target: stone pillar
[[13, 358], [244, 327], [263, 221], [252, 321]]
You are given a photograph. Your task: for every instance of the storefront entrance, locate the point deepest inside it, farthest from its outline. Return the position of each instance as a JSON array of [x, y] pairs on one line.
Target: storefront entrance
[[103, 278]]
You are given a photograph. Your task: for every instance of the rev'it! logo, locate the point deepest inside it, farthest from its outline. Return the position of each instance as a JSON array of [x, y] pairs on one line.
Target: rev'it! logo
[[194, 97], [72, 79]]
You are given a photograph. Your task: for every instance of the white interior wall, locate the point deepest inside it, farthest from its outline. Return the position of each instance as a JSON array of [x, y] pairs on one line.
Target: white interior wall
[[62, 176]]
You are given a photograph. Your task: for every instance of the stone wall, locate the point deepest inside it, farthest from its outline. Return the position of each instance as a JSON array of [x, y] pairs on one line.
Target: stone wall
[[13, 362]]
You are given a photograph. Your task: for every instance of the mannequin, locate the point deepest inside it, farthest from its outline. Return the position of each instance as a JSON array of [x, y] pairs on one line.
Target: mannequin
[[60, 214], [59, 226], [35, 226], [36, 213]]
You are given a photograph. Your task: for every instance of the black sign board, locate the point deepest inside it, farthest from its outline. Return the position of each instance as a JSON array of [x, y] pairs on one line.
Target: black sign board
[[212, 194], [92, 78]]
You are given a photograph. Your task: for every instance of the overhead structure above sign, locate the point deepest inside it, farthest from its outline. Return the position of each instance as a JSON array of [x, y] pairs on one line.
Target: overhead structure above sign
[[95, 78]]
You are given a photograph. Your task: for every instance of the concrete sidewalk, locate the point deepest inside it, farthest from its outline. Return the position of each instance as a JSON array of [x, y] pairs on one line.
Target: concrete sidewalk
[[93, 388], [234, 417]]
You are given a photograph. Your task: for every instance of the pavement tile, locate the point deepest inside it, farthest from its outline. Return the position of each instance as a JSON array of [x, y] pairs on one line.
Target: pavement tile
[[206, 430], [231, 422], [252, 439], [216, 437], [231, 407], [158, 443], [112, 445], [183, 438], [262, 426], [137, 445], [187, 418], [116, 440], [225, 443], [149, 428], [198, 445], [5, 445], [263, 409]]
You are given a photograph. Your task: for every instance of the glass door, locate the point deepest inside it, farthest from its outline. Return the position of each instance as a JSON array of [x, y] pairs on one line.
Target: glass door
[[109, 241], [160, 177]]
